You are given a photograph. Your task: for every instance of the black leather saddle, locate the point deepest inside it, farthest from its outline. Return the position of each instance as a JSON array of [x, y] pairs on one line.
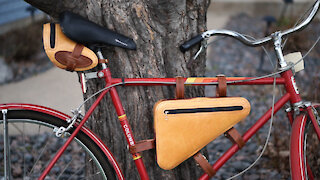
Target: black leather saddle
[[86, 32]]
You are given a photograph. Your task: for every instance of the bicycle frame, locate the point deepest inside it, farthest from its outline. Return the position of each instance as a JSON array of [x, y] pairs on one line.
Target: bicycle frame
[[286, 79]]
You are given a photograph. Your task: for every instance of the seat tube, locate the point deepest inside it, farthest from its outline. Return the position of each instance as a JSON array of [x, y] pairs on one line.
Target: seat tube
[[125, 125]]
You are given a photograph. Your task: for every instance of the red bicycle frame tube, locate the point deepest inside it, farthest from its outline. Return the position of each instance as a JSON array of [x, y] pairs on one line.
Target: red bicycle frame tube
[[286, 79], [125, 124], [234, 148], [75, 132], [195, 81], [291, 87]]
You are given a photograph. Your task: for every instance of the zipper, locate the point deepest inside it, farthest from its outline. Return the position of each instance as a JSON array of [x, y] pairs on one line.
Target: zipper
[[203, 110]]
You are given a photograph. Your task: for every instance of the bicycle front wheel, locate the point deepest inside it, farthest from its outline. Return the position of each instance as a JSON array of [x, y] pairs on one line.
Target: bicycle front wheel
[[304, 152], [27, 144]]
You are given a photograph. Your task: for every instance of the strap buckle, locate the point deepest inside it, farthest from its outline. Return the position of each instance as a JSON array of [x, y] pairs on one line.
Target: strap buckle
[[142, 146], [179, 87], [204, 164], [235, 137]]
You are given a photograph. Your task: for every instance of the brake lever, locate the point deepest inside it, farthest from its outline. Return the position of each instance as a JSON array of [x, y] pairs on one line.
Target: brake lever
[[204, 45]]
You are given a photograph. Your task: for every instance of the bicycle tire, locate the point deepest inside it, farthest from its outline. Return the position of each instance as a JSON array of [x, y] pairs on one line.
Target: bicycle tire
[[304, 152], [311, 151], [65, 167]]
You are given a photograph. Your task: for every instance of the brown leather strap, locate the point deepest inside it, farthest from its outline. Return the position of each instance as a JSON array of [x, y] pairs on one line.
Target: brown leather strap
[[142, 146], [103, 61], [221, 90], [235, 137], [76, 53], [179, 87], [71, 64], [204, 164]]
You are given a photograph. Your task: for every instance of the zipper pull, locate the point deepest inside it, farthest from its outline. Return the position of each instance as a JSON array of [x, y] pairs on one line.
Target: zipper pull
[[166, 115]]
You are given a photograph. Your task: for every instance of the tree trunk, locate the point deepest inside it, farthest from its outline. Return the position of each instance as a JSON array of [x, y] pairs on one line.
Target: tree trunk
[[158, 28]]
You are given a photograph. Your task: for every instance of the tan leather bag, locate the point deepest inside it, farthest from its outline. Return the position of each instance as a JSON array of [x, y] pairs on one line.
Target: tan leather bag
[[65, 53], [185, 126]]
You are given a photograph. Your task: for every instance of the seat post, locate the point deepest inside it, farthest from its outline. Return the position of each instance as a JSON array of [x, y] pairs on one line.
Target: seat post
[[100, 56]]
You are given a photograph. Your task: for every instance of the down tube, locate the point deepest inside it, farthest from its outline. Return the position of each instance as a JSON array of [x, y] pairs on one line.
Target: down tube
[[233, 149]]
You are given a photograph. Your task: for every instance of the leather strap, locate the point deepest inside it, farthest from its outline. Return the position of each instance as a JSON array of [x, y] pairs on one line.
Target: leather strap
[[221, 90], [142, 146], [235, 137], [76, 53], [179, 87], [71, 64], [103, 61], [204, 164]]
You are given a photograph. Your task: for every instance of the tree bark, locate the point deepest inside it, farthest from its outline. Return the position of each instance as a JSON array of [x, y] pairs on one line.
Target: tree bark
[[158, 28]]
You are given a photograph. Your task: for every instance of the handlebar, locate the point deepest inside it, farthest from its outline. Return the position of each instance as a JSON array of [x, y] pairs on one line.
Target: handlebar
[[205, 35], [192, 42]]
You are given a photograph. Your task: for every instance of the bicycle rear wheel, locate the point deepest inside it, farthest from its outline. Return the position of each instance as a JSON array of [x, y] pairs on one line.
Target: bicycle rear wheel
[[305, 150], [32, 144]]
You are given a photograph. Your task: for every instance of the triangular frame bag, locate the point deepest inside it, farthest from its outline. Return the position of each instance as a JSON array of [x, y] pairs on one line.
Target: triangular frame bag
[[184, 126]]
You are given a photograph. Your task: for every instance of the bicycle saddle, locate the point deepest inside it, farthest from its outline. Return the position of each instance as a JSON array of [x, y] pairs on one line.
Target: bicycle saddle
[[86, 32]]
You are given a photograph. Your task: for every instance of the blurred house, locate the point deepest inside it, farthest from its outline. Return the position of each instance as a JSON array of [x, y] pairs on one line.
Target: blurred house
[[17, 13]]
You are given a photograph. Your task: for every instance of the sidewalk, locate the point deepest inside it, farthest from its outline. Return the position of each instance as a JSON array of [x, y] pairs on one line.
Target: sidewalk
[[55, 88]]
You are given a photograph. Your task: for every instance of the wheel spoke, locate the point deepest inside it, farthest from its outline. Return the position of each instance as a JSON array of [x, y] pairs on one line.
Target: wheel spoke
[[42, 151], [27, 143], [17, 128], [65, 168], [24, 150], [80, 169]]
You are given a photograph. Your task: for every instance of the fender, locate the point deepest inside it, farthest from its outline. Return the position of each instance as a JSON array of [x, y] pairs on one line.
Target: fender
[[296, 150], [315, 105], [58, 114], [297, 139]]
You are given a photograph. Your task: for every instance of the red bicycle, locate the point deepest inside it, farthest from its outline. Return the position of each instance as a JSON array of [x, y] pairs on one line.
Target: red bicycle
[[24, 123]]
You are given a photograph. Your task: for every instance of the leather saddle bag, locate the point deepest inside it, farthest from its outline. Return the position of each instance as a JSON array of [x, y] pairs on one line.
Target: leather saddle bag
[[185, 126], [65, 53]]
